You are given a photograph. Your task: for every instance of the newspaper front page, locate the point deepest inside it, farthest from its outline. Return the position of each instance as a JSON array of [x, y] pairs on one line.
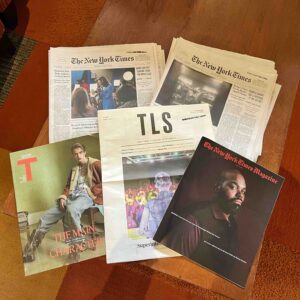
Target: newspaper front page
[[87, 79], [246, 60], [142, 164], [238, 88]]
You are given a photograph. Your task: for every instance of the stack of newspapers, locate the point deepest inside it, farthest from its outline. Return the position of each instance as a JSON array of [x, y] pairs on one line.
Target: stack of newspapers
[[107, 74], [125, 130], [240, 90]]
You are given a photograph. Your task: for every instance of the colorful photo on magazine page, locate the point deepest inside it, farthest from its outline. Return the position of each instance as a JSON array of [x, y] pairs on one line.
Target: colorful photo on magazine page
[[102, 89], [183, 85], [220, 210], [148, 197], [58, 191]]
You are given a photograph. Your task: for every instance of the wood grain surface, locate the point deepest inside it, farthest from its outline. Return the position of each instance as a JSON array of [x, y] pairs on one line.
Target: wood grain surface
[[265, 29]]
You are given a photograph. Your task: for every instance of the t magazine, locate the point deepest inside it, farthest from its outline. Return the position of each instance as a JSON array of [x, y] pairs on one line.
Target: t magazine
[[58, 190]]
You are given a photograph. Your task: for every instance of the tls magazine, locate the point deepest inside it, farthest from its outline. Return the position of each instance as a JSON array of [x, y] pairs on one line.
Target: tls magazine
[[142, 163], [220, 211]]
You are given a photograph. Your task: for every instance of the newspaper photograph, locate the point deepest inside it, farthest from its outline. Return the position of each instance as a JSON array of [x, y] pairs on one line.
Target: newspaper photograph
[[85, 80], [142, 164], [114, 88], [153, 191], [239, 89], [207, 89]]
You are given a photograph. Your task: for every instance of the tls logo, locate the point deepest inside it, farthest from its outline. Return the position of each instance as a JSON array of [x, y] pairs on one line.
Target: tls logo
[[26, 162]]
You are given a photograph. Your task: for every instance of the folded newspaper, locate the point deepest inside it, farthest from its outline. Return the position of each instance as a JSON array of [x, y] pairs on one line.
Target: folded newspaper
[[241, 91], [87, 79], [144, 152]]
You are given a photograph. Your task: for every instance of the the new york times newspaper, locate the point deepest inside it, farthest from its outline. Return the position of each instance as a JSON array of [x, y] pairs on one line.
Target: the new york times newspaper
[[87, 79], [241, 91]]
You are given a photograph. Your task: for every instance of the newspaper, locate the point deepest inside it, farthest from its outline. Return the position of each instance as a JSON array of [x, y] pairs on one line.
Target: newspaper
[[87, 79], [240, 89], [142, 163]]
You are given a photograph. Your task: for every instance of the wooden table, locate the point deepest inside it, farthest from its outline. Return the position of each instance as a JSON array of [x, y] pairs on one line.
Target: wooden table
[[259, 28], [264, 29]]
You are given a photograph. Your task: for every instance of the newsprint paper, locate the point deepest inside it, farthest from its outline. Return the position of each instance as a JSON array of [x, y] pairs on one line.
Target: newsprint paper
[[142, 161], [87, 79], [241, 91]]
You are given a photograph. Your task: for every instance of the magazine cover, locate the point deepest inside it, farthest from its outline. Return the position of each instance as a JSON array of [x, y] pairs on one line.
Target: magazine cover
[[58, 191], [142, 163], [220, 211]]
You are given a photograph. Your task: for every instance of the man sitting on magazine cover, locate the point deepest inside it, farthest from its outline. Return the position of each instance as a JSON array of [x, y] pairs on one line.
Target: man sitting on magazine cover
[[208, 234], [155, 209], [82, 190]]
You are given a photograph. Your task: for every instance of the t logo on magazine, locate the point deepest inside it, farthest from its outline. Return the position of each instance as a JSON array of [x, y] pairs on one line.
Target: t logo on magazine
[[166, 128], [26, 162]]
